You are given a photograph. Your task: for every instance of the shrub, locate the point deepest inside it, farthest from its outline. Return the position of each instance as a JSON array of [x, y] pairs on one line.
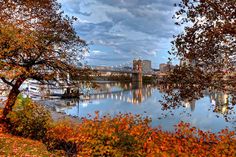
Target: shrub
[[60, 136], [122, 135], [29, 119], [130, 135]]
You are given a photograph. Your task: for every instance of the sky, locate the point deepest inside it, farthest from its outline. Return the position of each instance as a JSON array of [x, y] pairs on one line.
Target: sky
[[119, 31]]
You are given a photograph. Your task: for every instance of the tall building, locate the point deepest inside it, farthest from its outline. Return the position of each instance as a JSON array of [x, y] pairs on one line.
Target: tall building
[[146, 65]]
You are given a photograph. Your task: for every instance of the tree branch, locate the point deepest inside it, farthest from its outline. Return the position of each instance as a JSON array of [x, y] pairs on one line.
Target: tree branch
[[7, 82]]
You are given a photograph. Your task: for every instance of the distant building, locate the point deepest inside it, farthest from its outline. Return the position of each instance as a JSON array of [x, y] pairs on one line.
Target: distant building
[[102, 67], [127, 68], [146, 65], [165, 67], [185, 61]]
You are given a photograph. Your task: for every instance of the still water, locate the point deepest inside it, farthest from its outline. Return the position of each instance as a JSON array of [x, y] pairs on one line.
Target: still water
[[207, 113]]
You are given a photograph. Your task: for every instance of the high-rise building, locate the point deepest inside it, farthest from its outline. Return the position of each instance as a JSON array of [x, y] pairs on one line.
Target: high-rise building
[[147, 66]]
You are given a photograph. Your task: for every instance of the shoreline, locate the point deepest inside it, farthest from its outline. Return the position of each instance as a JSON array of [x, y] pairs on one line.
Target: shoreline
[[56, 116]]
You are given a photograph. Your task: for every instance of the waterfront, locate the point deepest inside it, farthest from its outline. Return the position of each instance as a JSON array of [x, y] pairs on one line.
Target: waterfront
[[212, 112]]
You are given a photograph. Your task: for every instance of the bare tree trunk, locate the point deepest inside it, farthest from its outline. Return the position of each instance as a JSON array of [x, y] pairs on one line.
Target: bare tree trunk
[[12, 98]]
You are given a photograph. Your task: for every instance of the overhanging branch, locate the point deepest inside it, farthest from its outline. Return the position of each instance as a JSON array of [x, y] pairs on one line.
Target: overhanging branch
[[7, 82]]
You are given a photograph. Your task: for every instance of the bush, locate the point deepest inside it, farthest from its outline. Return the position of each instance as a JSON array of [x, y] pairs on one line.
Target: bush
[[122, 135], [29, 119], [130, 135]]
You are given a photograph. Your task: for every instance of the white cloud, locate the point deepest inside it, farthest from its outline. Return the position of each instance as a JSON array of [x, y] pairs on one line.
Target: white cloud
[[127, 29]]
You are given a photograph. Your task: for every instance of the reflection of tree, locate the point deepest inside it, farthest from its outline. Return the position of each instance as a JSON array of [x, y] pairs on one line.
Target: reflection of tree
[[186, 84], [207, 51]]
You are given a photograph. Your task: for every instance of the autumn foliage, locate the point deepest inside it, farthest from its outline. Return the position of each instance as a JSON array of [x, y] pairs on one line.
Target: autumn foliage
[[131, 135], [37, 41], [29, 119], [122, 135]]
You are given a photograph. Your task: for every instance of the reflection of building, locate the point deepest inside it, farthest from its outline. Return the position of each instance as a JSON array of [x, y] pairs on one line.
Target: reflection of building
[[221, 101], [134, 96], [137, 96], [163, 88], [190, 104]]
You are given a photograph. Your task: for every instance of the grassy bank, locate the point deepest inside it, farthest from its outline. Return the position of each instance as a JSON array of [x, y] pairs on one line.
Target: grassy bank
[[11, 145]]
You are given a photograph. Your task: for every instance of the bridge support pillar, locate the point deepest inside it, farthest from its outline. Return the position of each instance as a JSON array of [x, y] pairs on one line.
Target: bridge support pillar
[[137, 76]]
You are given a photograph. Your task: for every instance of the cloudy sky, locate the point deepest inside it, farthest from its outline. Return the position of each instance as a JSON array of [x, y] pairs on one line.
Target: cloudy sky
[[119, 31]]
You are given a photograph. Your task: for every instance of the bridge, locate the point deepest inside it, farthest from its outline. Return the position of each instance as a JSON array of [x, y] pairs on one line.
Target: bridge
[[136, 71]]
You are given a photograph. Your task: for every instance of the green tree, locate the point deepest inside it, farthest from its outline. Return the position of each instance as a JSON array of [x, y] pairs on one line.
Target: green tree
[[37, 41]]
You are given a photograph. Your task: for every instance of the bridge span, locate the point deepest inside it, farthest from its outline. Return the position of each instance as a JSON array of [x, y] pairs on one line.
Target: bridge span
[[136, 72]]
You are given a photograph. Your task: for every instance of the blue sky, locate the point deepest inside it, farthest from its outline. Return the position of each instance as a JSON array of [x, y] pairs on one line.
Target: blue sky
[[120, 30]]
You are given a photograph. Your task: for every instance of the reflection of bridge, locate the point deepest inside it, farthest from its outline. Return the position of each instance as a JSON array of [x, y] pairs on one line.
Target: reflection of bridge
[[134, 96]]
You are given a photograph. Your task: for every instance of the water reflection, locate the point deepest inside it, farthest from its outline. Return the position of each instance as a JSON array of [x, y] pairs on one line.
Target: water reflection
[[127, 93], [190, 104], [213, 111], [221, 101]]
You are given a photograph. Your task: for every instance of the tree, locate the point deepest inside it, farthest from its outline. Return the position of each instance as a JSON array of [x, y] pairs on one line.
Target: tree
[[207, 50], [209, 38], [36, 41]]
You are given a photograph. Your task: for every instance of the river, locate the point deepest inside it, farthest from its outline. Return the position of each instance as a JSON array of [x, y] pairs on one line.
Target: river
[[210, 112]]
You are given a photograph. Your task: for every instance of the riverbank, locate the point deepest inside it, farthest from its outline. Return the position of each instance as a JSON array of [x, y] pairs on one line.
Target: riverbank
[[56, 116], [11, 145], [106, 135], [123, 135]]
